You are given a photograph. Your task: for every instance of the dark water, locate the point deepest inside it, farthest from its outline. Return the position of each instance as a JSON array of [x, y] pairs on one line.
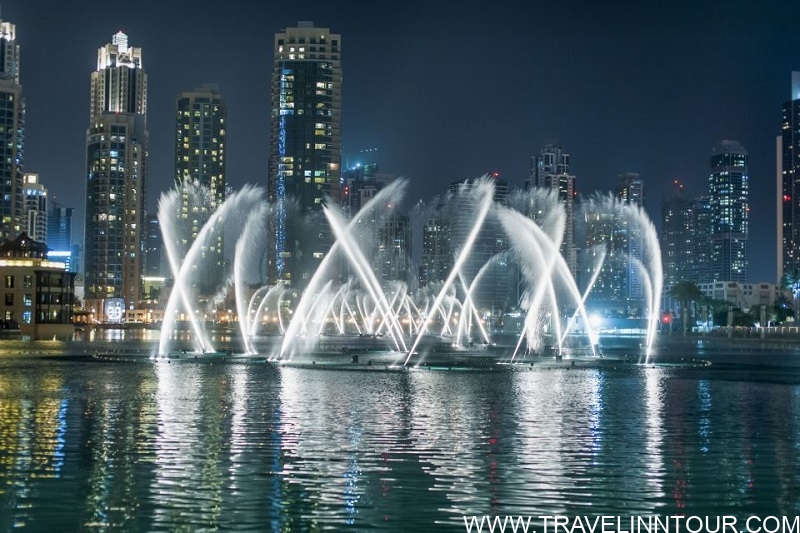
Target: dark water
[[93, 445]]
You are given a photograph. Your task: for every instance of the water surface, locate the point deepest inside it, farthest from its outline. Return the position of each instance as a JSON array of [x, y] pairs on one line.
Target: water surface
[[99, 445]]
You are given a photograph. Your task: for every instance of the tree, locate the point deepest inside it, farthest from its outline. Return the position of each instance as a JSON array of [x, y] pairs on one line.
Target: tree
[[791, 281], [781, 311], [686, 292]]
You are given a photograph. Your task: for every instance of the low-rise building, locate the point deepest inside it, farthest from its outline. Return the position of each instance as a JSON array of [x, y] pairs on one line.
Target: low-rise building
[[742, 296], [38, 294]]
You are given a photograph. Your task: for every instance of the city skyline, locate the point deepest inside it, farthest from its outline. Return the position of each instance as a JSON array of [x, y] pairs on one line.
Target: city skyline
[[449, 95]]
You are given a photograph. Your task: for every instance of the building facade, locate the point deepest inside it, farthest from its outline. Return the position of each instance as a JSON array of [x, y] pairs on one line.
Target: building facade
[[436, 260], [393, 260], [487, 268], [744, 296], [305, 150], [12, 135], [550, 170], [38, 294], [728, 191], [116, 165], [153, 247], [629, 190], [59, 236], [675, 237], [788, 165], [200, 162], [35, 195], [699, 266]]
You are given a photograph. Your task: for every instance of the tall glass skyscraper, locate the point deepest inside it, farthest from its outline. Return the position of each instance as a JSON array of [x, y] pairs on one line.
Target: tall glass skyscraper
[[550, 170], [200, 161], [305, 151], [789, 183], [35, 195], [116, 164], [728, 191], [59, 236], [12, 135], [630, 190], [675, 237]]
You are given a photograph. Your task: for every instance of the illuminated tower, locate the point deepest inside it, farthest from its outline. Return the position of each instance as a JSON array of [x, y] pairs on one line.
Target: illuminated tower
[[200, 160], [59, 236], [630, 190], [35, 195], [550, 170], [12, 135], [788, 155], [676, 237], [728, 191], [305, 150], [116, 164]]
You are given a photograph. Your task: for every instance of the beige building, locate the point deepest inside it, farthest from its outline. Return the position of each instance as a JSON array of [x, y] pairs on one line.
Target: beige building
[[743, 296], [37, 294]]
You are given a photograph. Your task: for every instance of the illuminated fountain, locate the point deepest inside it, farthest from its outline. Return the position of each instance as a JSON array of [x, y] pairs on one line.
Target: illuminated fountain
[[352, 302], [249, 200], [316, 295], [644, 255]]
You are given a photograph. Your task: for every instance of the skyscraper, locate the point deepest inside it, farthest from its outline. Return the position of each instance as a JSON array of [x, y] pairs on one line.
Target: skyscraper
[[12, 135], [788, 155], [59, 236], [701, 224], [305, 150], [200, 160], [489, 251], [154, 245], [116, 164], [728, 191], [35, 195], [630, 190], [550, 170], [676, 237]]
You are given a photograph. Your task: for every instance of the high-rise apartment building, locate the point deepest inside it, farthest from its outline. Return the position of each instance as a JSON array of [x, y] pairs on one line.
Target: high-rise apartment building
[[305, 150], [701, 223], [59, 236], [436, 260], [630, 190], [200, 161], [393, 257], [550, 170], [12, 135], [35, 195], [728, 191], [154, 245], [675, 237], [488, 257], [788, 155], [116, 164]]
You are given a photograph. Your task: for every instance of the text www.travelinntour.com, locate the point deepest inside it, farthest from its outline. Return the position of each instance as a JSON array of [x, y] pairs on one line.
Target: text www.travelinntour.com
[[631, 524]]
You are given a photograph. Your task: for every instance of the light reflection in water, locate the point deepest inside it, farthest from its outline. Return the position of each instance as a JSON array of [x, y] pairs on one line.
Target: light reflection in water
[[160, 447], [654, 401]]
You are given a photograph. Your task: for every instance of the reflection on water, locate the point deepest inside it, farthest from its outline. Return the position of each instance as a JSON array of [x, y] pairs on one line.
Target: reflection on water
[[159, 447]]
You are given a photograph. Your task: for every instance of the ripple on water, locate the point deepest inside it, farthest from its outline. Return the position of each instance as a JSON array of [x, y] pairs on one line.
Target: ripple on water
[[162, 447]]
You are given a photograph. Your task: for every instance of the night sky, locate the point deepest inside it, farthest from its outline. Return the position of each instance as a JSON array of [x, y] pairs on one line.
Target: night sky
[[444, 90]]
